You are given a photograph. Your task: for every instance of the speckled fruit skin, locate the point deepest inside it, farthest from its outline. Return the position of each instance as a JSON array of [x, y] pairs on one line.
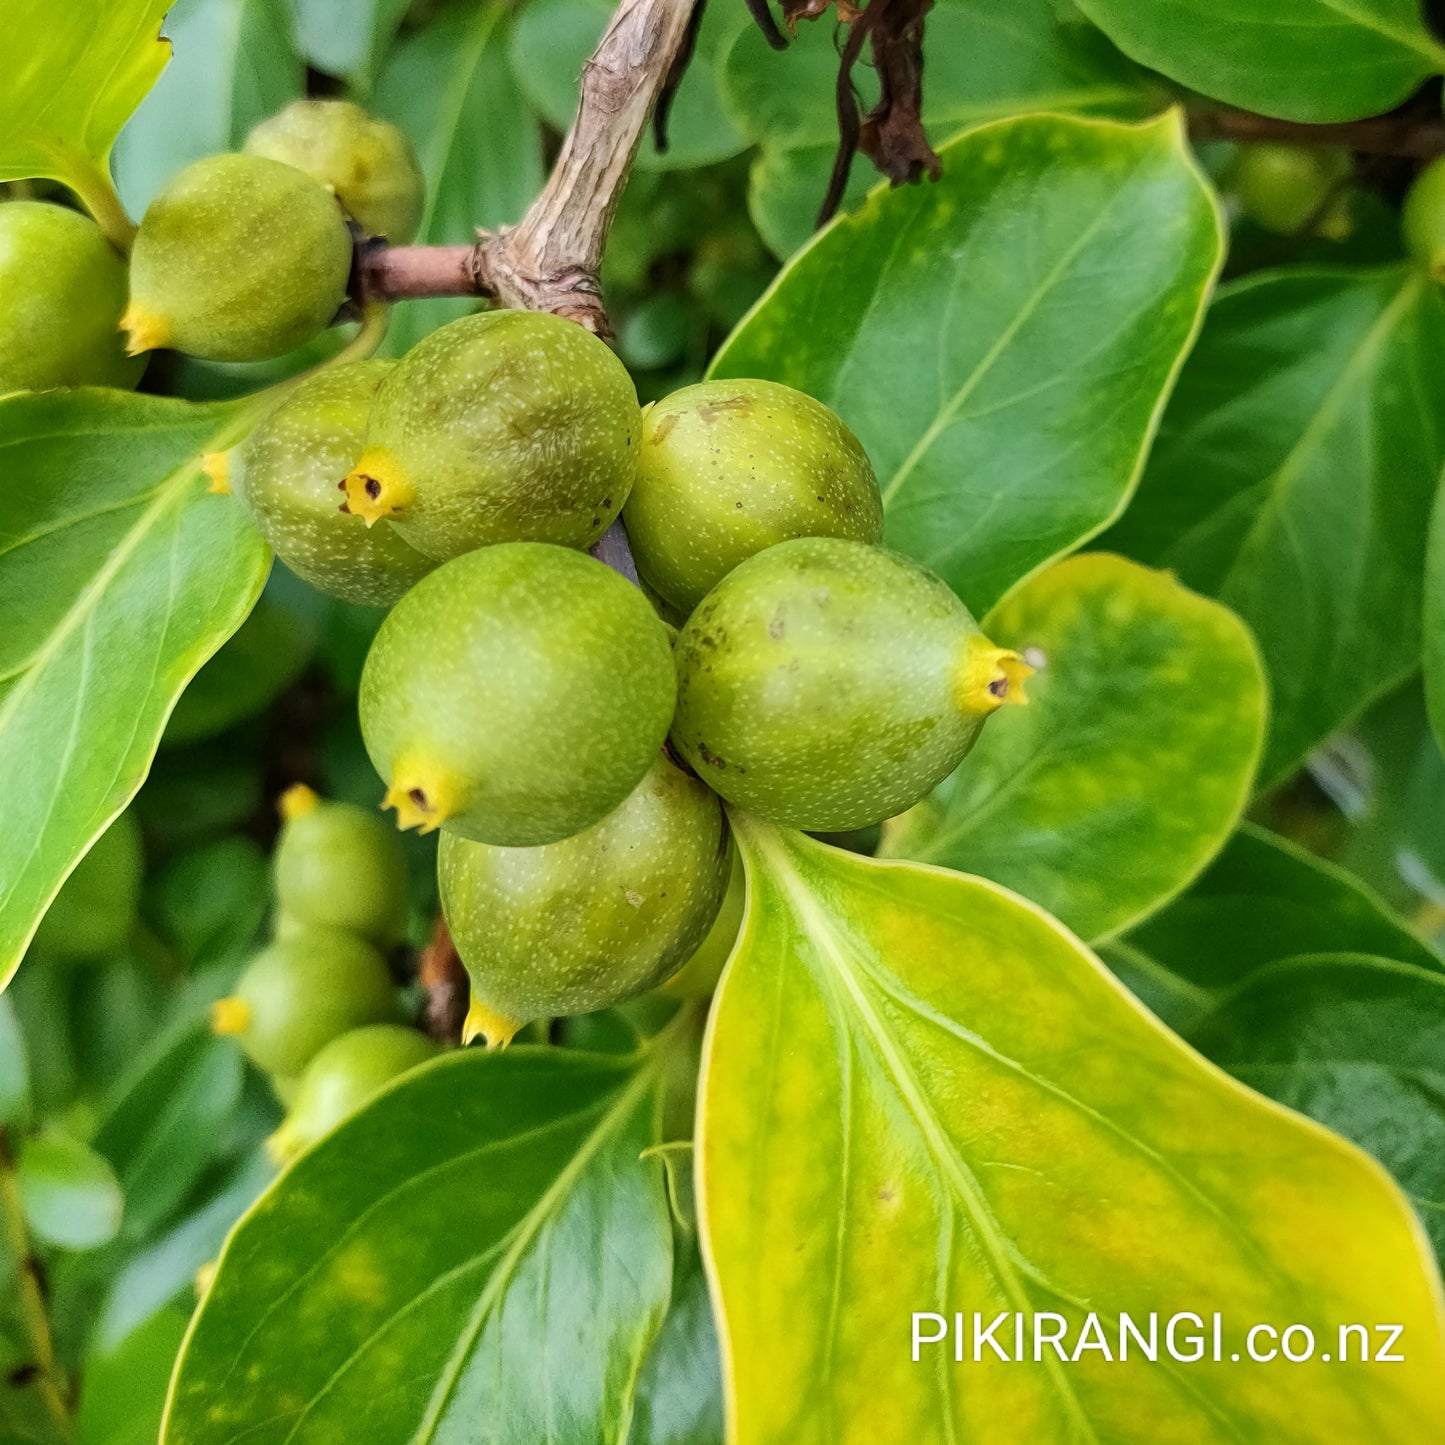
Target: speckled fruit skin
[[818, 684], [522, 690], [507, 427], [365, 162], [1423, 218], [288, 473], [63, 290], [597, 918], [342, 1077], [303, 991], [730, 468], [340, 866], [700, 972], [1282, 187], [239, 258]]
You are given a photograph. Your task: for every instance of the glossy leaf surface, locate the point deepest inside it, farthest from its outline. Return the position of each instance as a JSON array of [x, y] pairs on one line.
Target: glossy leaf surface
[[487, 1214], [973, 1116], [964, 330], [119, 577], [1293, 479], [1130, 764]]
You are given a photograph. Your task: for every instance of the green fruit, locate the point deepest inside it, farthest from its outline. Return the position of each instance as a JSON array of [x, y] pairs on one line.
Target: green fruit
[[516, 695], [339, 866], [1282, 188], [287, 474], [341, 1078], [729, 468], [63, 289], [1424, 219], [600, 917], [826, 684], [239, 258], [94, 912], [698, 977], [366, 163], [299, 994], [506, 427]]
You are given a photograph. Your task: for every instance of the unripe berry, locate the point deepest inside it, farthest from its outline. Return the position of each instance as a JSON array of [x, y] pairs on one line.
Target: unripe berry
[[339, 866], [239, 258], [505, 427], [827, 684], [728, 469], [516, 695], [94, 912], [62, 288], [1424, 219], [341, 1078], [366, 163], [1282, 188], [300, 993], [600, 917], [287, 474]]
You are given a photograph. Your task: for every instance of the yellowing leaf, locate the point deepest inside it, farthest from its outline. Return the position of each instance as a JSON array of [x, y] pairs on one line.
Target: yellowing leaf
[[921, 1094]]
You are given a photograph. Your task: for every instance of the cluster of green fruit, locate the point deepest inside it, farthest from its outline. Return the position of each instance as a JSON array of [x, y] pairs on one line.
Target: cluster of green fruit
[[318, 1010], [535, 705], [239, 258]]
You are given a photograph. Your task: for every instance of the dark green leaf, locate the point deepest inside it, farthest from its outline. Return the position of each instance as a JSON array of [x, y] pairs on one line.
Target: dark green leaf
[[210, 902], [481, 1252], [125, 1387], [965, 331], [70, 1196], [1293, 479], [119, 577], [1357, 1043], [14, 1068], [1435, 619]]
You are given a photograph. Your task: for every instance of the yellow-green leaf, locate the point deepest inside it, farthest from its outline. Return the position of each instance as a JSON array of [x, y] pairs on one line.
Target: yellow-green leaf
[[1132, 761], [922, 1095]]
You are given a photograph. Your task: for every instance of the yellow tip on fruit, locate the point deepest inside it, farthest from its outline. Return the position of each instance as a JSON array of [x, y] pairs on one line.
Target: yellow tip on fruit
[[422, 800], [217, 466], [230, 1016], [144, 330], [990, 678], [375, 489], [494, 1029], [296, 802]]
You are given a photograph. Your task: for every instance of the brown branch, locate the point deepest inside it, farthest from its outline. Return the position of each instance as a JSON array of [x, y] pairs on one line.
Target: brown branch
[[1411, 135], [550, 260]]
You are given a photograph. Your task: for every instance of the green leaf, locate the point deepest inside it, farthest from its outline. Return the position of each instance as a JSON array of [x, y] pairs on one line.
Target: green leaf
[[164, 1127], [482, 1252], [124, 1388], [235, 64], [984, 62], [14, 1069], [1001, 342], [1132, 761], [210, 901], [119, 577], [347, 38], [553, 39], [967, 1113], [1357, 1043], [1263, 899], [76, 74], [1293, 479], [1435, 619], [450, 90], [68, 1192], [1309, 60]]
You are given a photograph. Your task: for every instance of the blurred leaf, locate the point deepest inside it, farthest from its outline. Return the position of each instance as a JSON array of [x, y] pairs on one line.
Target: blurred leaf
[[347, 38], [552, 40], [124, 1388], [1357, 1043], [984, 62], [119, 577], [14, 1069], [1293, 479], [1435, 619], [162, 1130], [1263, 899], [1005, 394], [94, 912], [486, 1213], [235, 64], [1129, 766], [75, 75], [210, 901], [452, 93], [1310, 60], [70, 1196], [971, 1115]]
